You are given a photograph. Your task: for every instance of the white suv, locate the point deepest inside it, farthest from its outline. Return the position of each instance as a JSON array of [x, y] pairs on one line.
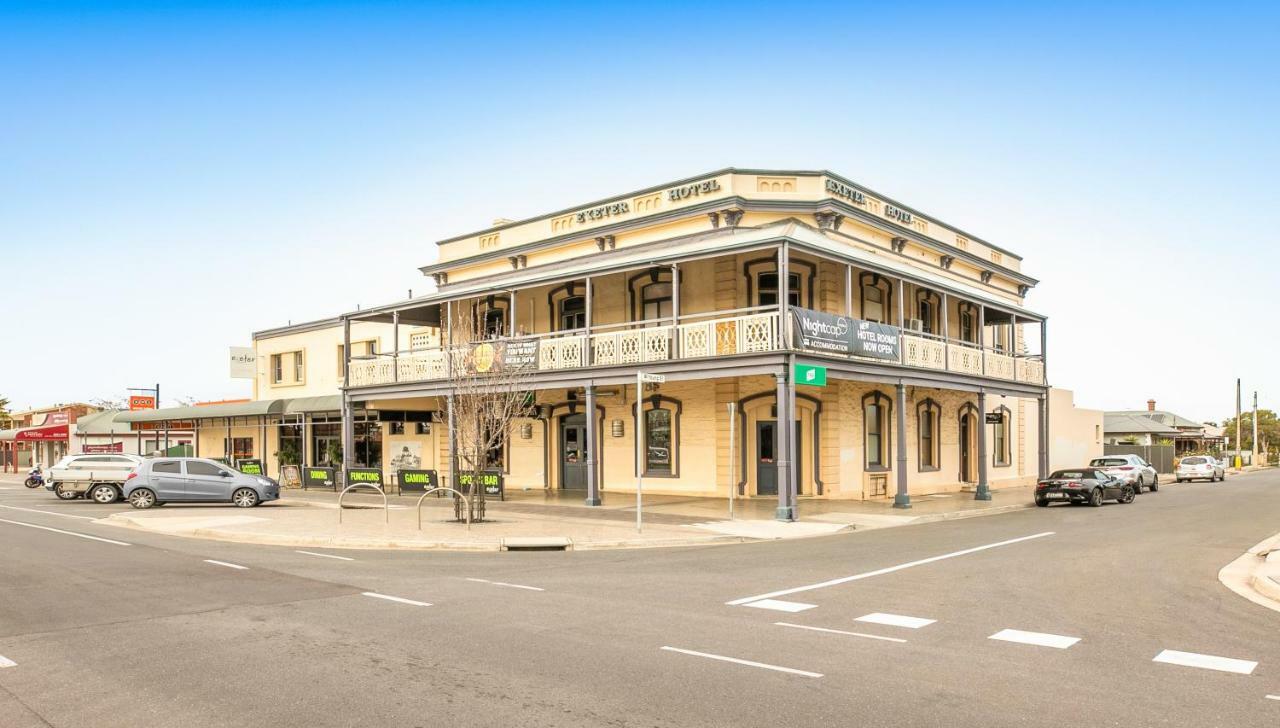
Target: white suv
[[98, 476], [1130, 469]]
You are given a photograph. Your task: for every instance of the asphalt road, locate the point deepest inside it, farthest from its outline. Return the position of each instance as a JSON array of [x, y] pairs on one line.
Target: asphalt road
[[152, 630]]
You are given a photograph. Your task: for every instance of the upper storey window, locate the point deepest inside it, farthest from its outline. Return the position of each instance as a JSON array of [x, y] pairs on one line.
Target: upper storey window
[[573, 313]]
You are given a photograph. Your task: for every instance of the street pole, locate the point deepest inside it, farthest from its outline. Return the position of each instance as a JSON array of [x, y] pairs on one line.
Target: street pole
[[1255, 428], [1239, 446], [639, 428], [732, 484]]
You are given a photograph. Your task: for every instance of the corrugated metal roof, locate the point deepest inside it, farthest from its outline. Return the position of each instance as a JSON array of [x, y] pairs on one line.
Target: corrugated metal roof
[[1123, 422]]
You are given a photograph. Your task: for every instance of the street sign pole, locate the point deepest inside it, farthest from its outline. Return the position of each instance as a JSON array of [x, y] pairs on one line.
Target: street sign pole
[[641, 378]]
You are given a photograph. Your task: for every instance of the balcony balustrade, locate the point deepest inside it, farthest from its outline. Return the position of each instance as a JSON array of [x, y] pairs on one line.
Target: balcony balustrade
[[660, 341]]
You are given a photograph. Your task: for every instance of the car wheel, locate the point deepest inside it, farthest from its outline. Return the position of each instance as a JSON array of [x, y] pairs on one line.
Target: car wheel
[[245, 498], [104, 494], [1042, 502], [142, 498], [1095, 498], [65, 494], [1127, 495], [1155, 486]]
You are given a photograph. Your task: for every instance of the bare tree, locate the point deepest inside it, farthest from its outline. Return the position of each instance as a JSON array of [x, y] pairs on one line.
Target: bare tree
[[490, 393], [110, 403]]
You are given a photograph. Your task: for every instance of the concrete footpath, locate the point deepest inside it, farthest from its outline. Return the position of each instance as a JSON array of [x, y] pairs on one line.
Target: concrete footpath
[[540, 519], [1256, 574]]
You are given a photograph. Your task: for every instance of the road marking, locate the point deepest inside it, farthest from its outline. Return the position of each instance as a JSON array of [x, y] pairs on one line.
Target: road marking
[[506, 584], [1273, 697], [327, 556], [6, 662], [68, 533], [402, 600], [1207, 662], [1040, 639], [780, 606], [887, 570], [748, 663], [50, 513], [839, 631], [895, 620], [229, 566]]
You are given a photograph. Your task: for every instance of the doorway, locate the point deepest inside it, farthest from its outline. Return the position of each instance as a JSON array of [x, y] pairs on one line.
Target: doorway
[[968, 459], [766, 460], [573, 452]]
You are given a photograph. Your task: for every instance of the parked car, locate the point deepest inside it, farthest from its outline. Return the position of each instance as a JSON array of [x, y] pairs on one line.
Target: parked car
[[98, 476], [1083, 485], [1129, 469], [196, 480], [1199, 467]]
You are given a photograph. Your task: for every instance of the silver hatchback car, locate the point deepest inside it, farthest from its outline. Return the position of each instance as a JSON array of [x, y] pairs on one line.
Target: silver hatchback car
[[195, 480]]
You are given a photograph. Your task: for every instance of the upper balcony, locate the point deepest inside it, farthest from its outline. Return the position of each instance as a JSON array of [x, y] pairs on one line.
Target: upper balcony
[[712, 296]]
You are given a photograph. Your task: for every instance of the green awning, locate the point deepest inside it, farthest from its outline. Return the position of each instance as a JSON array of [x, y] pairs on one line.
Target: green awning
[[203, 412], [302, 405]]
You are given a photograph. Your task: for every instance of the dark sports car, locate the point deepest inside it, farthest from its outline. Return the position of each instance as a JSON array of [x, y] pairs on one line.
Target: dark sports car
[[1082, 485]]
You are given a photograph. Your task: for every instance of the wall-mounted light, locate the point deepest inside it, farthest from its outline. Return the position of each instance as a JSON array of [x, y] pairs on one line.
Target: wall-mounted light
[[526, 431], [617, 427]]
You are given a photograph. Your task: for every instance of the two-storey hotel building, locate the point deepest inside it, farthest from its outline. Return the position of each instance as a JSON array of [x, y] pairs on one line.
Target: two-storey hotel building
[[898, 347]]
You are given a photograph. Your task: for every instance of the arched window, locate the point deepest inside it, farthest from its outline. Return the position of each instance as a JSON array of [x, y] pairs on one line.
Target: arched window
[[767, 289], [928, 429], [875, 428], [572, 313], [876, 297], [661, 436], [927, 304], [1001, 455], [655, 301], [968, 323]]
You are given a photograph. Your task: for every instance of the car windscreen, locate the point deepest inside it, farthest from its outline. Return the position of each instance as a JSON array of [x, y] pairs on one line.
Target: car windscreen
[[1193, 461], [1070, 475], [1109, 462]]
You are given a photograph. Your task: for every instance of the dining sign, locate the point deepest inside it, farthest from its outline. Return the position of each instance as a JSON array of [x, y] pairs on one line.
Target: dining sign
[[827, 333]]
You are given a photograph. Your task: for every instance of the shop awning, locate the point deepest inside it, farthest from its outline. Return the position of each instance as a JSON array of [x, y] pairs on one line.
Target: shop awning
[[300, 405], [36, 434], [231, 409]]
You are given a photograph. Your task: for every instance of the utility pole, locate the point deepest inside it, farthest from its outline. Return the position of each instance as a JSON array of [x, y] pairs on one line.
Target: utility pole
[[1239, 447], [1255, 428]]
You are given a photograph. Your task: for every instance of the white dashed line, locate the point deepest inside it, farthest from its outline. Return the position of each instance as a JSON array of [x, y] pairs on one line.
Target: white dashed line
[[6, 662], [49, 513], [223, 563], [896, 620], [839, 631], [1039, 639], [886, 570], [780, 606], [68, 533], [748, 663], [326, 556], [1207, 662], [506, 584], [1273, 697], [401, 600]]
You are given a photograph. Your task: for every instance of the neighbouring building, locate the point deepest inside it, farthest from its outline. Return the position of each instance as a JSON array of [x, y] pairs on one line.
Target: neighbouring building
[[1152, 427], [103, 432], [921, 370], [39, 436]]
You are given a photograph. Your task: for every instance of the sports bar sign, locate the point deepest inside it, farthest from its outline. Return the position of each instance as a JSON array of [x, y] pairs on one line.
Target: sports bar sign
[[827, 333]]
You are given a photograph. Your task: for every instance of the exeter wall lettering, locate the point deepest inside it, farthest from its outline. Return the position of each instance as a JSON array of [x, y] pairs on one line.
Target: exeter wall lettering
[[900, 215], [603, 211], [839, 189]]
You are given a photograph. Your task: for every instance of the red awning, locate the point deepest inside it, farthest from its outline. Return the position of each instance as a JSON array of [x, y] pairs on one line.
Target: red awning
[[36, 434]]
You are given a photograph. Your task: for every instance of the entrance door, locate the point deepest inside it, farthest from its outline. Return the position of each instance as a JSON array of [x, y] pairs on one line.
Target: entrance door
[[766, 467], [573, 452], [967, 434]]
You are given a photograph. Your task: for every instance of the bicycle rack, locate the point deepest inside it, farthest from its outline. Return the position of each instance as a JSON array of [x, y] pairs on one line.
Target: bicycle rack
[[466, 504], [386, 511]]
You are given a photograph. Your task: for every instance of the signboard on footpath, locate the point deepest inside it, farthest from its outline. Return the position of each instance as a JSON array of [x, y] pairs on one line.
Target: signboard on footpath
[[417, 481], [365, 476], [827, 333], [250, 466], [291, 476], [313, 477], [490, 481]]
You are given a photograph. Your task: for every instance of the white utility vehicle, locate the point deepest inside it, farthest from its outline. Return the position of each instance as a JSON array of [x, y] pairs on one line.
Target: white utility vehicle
[[97, 476]]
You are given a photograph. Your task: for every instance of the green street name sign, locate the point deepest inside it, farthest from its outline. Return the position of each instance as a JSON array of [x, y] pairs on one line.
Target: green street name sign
[[811, 375]]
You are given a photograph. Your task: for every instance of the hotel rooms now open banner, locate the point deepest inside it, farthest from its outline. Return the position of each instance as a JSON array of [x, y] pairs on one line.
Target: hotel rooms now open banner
[[827, 333]]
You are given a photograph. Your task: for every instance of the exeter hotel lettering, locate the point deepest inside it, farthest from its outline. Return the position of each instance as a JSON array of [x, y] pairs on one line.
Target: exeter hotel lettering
[[675, 194]]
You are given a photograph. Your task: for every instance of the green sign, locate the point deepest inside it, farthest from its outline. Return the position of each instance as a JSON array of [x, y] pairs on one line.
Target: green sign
[[250, 466], [369, 476], [490, 481], [811, 375]]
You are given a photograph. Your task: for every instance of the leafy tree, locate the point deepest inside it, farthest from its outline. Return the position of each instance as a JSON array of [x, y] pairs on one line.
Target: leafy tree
[[1268, 429], [5, 417]]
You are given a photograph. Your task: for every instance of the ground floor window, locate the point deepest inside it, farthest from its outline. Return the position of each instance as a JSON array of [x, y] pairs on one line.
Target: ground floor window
[[238, 448], [1002, 454], [657, 431], [326, 444], [875, 423], [928, 420], [290, 445]]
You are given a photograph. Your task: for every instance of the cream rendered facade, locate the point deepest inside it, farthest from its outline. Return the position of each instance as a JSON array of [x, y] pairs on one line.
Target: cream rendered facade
[[703, 280]]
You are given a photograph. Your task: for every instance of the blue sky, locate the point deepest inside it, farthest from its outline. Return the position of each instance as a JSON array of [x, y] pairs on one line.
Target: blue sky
[[176, 175]]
